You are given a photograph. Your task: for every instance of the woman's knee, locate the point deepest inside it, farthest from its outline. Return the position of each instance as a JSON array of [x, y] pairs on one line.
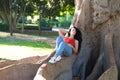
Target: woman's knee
[[62, 44], [59, 39]]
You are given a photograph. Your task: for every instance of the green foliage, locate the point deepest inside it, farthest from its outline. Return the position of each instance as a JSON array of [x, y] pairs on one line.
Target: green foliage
[[3, 27], [30, 9], [65, 24], [33, 27], [67, 5], [43, 23], [3, 59], [28, 21], [48, 9], [52, 8], [53, 22], [20, 19], [65, 21], [11, 10]]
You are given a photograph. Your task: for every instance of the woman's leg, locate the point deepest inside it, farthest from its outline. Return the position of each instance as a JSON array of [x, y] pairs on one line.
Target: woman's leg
[[67, 51], [58, 41], [60, 47], [63, 47]]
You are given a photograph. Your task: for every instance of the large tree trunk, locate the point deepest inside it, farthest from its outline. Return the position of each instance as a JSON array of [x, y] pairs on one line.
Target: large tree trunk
[[99, 22], [99, 56]]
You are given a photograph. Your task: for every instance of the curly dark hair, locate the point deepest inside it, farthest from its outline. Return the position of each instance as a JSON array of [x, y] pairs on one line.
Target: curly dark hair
[[78, 36]]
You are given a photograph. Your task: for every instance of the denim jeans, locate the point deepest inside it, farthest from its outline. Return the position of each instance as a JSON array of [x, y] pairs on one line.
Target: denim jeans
[[62, 48]]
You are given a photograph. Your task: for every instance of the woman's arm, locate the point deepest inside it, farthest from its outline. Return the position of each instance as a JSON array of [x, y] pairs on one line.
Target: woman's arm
[[75, 49], [63, 33]]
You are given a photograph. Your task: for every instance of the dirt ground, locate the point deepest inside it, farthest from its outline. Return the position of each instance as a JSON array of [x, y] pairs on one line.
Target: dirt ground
[[17, 52]]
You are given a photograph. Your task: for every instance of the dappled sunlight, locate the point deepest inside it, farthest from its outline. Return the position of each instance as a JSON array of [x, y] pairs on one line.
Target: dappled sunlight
[[19, 52]]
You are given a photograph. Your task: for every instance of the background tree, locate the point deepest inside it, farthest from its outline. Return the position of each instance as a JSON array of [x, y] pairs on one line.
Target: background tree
[[18, 7], [29, 10], [0, 17]]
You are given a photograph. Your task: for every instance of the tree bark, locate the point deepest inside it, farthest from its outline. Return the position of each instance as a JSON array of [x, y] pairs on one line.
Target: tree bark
[[99, 57], [16, 10], [10, 25], [98, 20]]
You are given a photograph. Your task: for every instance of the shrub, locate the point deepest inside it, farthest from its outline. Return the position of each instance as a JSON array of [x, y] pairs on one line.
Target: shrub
[[20, 20], [64, 24], [33, 27], [3, 27]]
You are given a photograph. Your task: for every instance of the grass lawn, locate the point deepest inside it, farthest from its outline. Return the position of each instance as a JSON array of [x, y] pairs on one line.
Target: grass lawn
[[13, 48], [54, 35], [20, 42]]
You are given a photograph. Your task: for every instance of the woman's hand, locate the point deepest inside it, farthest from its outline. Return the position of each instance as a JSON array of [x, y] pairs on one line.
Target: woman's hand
[[62, 32]]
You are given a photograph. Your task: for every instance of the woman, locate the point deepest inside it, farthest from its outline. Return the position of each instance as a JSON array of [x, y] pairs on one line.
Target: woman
[[68, 44]]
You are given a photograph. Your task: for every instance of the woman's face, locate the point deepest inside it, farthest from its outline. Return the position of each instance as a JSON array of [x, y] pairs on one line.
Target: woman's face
[[73, 31]]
